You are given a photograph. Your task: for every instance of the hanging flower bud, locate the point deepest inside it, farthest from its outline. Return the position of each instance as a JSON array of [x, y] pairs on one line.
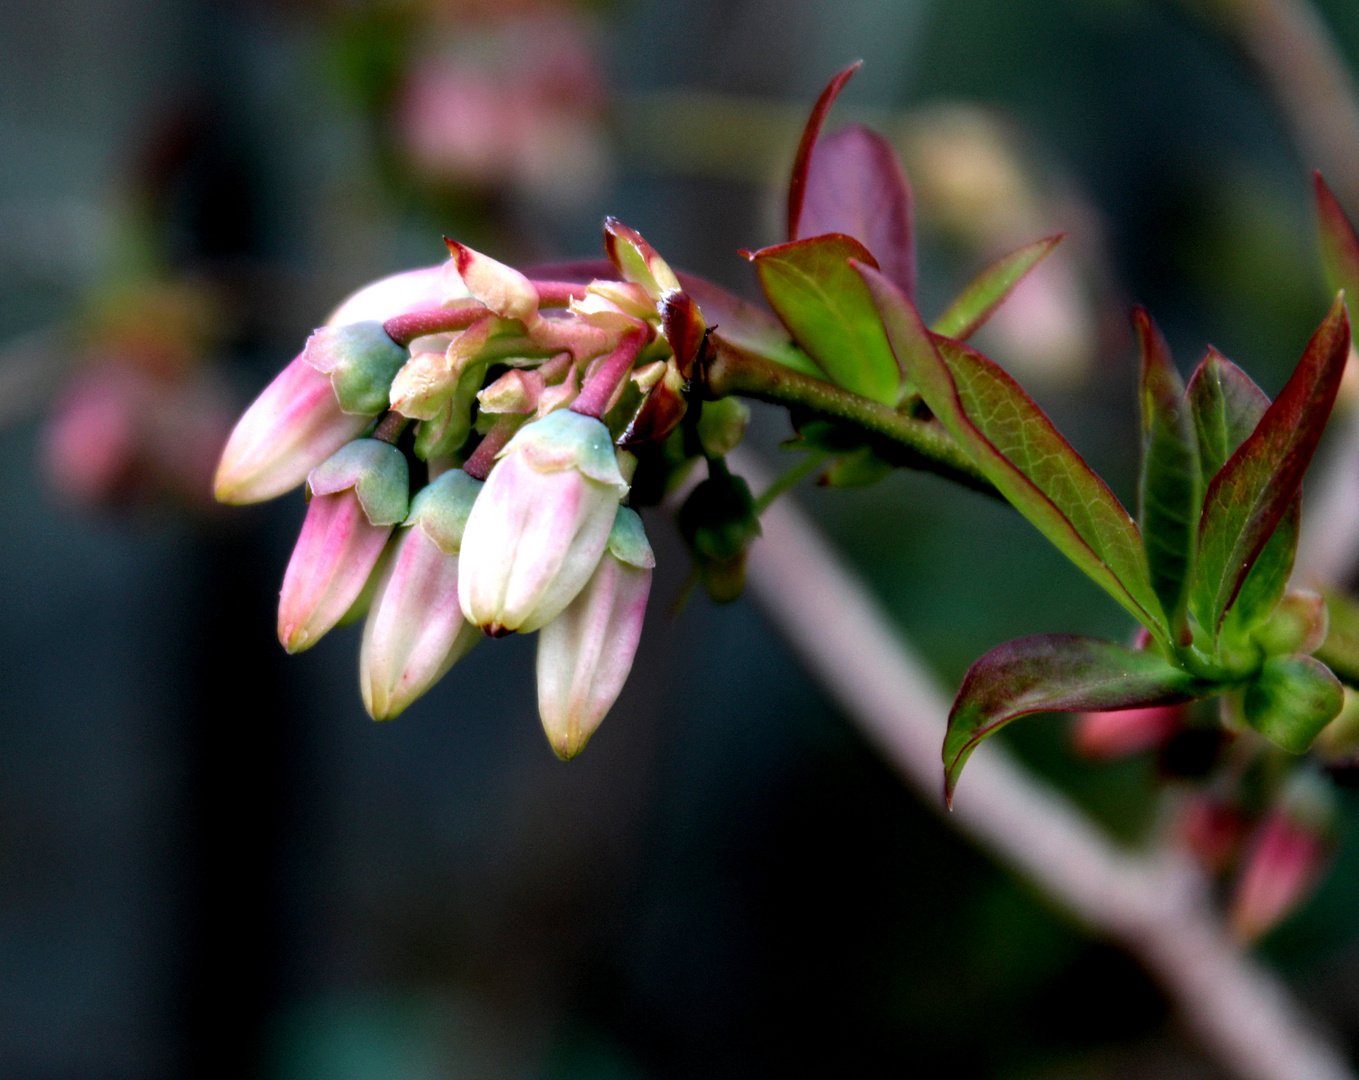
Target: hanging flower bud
[[357, 496], [415, 630], [536, 533], [1108, 736], [319, 402], [586, 652], [1281, 868]]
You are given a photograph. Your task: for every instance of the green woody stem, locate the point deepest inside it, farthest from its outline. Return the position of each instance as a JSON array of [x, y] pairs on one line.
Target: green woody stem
[[901, 439]]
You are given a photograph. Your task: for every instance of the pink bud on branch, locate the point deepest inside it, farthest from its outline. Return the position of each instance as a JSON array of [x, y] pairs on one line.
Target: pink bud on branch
[[541, 524], [357, 496], [415, 630], [586, 652]]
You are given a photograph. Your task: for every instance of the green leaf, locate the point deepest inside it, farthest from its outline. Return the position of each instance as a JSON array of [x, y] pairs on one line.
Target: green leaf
[[1055, 673], [813, 289], [988, 290], [1291, 700], [1226, 405], [1250, 494], [1170, 492], [1268, 578], [1020, 451], [1339, 244]]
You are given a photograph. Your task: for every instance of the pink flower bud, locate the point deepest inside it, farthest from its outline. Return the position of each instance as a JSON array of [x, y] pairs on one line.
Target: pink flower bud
[[541, 523], [1108, 736], [415, 630], [1281, 868], [358, 495], [295, 424], [586, 652]]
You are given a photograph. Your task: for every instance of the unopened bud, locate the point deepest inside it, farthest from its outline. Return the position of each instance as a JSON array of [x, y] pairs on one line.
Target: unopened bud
[[1212, 831], [358, 495], [315, 405], [1297, 625], [415, 630], [586, 652], [1283, 863], [541, 523], [719, 523], [722, 425]]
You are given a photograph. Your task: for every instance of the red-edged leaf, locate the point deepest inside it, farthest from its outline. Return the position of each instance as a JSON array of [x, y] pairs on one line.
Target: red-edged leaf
[[988, 290], [1020, 451], [1170, 492], [1055, 673], [1339, 244], [797, 183], [812, 287], [1249, 495], [855, 186]]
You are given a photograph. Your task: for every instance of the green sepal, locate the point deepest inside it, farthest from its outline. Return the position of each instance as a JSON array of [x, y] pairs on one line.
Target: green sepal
[[1291, 700], [378, 473], [628, 542], [442, 507], [361, 361], [568, 440]]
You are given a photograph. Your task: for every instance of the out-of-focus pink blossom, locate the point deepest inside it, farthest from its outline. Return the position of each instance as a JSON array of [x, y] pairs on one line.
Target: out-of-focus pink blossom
[[120, 433], [517, 101], [1281, 868], [1107, 736], [1212, 830]]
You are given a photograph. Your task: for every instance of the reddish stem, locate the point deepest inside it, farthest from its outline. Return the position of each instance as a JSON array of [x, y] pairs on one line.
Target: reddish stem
[[555, 294], [599, 388], [478, 466], [403, 329], [390, 427]]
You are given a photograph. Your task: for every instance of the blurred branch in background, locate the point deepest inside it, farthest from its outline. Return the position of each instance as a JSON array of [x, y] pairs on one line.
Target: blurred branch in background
[[1158, 907], [1305, 73]]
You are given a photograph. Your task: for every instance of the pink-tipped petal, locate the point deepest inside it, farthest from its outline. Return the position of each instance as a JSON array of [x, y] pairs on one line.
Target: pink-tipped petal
[[586, 653], [335, 554], [415, 630], [293, 426]]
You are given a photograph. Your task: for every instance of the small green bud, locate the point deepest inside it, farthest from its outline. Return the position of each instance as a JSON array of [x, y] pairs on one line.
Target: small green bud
[[722, 425], [1297, 625]]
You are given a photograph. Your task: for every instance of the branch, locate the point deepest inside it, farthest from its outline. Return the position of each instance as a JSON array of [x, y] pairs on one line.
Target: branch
[[1291, 47], [1159, 910], [903, 440]]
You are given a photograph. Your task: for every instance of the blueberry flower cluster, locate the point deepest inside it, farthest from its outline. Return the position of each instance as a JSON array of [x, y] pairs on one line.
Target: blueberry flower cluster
[[462, 433]]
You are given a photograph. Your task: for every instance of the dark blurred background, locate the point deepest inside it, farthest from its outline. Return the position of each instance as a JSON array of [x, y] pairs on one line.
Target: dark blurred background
[[212, 864]]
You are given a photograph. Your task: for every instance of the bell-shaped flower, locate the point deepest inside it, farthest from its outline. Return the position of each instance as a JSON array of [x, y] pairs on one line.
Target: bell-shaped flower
[[586, 652], [541, 523], [319, 402], [357, 497], [415, 630]]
